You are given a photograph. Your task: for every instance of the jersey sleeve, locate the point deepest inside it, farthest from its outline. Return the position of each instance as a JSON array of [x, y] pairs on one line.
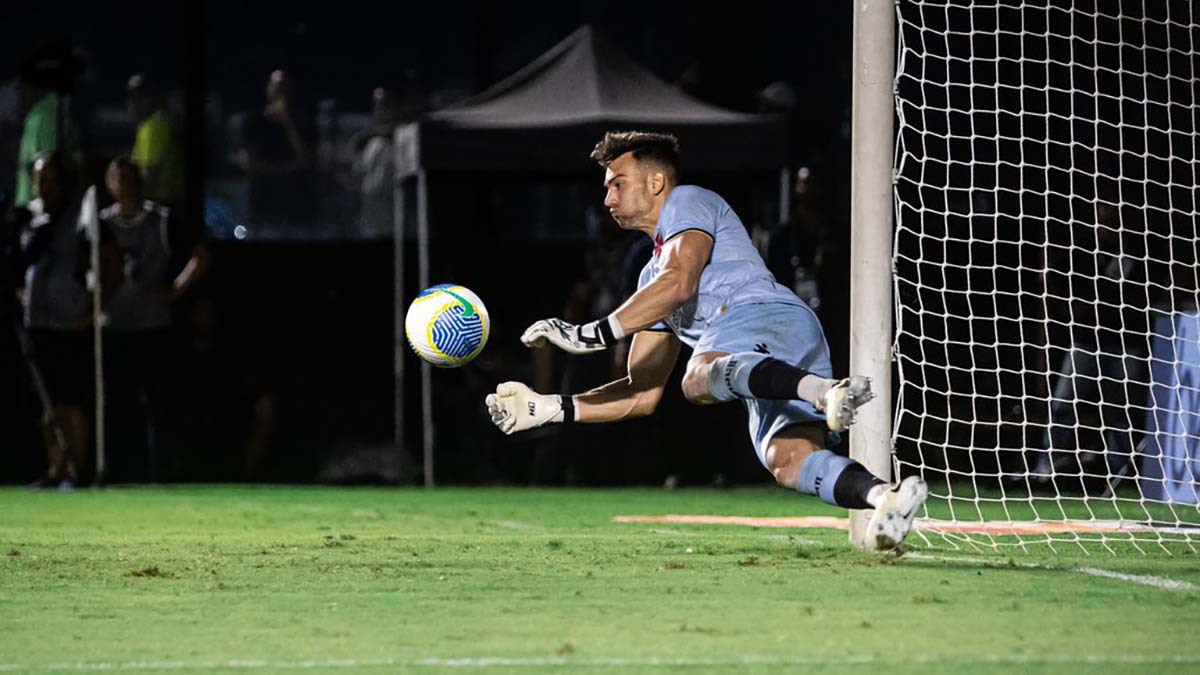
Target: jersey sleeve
[[691, 209], [643, 280]]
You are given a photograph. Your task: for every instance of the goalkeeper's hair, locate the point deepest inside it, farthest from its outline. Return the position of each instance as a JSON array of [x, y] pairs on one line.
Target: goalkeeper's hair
[[661, 149]]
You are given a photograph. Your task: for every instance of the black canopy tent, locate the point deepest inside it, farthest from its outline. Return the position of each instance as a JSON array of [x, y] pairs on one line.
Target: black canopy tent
[[544, 120]]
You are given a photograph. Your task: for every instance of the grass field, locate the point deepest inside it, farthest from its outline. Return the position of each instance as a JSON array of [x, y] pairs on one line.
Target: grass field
[[204, 579]]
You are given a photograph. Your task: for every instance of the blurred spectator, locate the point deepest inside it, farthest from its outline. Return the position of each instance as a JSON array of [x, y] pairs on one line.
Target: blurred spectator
[[44, 80], [137, 318], [1169, 470], [155, 148], [57, 311], [794, 249], [1170, 467], [375, 163], [278, 157], [800, 243], [1104, 367]]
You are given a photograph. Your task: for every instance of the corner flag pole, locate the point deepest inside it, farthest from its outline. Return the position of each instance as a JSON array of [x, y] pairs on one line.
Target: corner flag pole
[[871, 213], [90, 219]]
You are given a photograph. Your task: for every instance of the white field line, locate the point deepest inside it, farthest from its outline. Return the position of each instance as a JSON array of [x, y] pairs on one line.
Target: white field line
[[573, 662], [1143, 579]]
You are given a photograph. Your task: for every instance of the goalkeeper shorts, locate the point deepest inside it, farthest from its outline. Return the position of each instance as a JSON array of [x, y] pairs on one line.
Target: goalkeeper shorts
[[789, 333]]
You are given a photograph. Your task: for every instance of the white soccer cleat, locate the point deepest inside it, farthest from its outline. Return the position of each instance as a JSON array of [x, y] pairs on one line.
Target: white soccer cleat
[[843, 400], [893, 517]]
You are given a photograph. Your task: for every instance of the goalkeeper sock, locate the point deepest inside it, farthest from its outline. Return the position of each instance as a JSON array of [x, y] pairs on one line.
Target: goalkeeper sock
[[839, 481], [754, 375]]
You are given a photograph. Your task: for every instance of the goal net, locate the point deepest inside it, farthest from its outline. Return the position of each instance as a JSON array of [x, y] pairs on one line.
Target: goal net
[[1045, 266]]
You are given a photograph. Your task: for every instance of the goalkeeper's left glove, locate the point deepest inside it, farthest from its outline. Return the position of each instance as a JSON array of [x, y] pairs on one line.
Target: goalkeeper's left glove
[[585, 339], [515, 407]]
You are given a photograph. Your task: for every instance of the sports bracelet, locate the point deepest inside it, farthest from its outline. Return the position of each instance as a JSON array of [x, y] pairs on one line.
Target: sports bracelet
[[568, 408]]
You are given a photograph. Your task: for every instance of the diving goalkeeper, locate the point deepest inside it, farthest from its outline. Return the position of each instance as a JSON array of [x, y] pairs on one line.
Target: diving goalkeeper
[[752, 339]]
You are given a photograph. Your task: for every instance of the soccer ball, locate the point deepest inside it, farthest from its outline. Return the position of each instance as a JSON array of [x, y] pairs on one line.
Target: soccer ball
[[447, 325]]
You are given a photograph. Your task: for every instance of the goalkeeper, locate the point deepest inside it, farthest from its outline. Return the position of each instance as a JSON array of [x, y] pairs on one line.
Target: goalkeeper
[[752, 339]]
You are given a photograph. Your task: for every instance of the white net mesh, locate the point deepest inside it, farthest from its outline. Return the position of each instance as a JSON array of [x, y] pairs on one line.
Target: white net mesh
[[1046, 276]]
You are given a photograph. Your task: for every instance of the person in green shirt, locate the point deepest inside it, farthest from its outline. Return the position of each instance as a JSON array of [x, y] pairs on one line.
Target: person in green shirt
[[155, 150], [42, 133]]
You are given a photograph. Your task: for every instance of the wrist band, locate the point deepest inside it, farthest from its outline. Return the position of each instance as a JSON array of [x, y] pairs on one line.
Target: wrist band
[[604, 332], [615, 327], [568, 408]]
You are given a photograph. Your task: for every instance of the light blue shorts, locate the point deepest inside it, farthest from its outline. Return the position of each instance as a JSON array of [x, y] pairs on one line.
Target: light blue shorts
[[790, 333]]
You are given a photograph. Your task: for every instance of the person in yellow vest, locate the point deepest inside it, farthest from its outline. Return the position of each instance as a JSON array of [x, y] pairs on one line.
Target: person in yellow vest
[[155, 148]]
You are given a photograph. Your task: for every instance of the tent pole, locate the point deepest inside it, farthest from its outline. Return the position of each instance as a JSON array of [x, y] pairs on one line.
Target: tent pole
[[427, 437], [785, 194], [398, 349]]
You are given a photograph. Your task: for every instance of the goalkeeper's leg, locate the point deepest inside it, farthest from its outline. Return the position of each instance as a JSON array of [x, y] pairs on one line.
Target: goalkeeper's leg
[[719, 376], [795, 455]]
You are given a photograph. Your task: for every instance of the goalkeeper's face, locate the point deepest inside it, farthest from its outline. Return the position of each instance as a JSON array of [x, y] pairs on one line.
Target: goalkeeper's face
[[629, 196]]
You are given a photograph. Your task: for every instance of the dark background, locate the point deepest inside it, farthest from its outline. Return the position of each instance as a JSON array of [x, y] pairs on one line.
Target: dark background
[[310, 311], [1018, 123]]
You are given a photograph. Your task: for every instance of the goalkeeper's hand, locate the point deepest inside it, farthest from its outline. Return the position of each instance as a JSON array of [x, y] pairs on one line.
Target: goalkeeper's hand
[[585, 339], [515, 407]]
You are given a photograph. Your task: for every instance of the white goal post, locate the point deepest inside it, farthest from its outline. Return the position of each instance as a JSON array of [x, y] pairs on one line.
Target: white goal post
[[1042, 272], [871, 239]]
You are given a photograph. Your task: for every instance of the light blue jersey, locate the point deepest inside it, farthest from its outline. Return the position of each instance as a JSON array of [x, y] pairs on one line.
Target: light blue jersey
[[735, 274], [740, 308]]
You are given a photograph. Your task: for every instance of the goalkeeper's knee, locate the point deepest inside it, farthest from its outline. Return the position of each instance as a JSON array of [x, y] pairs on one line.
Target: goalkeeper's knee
[[754, 375]]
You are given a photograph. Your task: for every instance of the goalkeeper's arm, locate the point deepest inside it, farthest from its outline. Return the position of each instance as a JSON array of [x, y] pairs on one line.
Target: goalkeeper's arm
[[681, 264], [515, 407]]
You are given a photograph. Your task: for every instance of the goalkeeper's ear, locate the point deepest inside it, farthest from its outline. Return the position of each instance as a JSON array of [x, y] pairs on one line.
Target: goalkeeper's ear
[[656, 182]]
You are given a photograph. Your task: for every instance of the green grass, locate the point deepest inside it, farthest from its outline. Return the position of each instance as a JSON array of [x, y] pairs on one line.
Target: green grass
[[1046, 504], [201, 579]]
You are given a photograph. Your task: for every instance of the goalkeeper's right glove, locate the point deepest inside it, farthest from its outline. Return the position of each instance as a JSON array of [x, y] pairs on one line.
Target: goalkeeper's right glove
[[515, 407], [584, 339]]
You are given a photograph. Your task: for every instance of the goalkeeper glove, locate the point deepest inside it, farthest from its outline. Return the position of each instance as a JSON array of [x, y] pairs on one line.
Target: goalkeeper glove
[[515, 407], [585, 339]]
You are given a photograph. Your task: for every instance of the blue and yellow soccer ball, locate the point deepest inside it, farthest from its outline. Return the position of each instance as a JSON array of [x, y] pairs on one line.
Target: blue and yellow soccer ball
[[447, 325]]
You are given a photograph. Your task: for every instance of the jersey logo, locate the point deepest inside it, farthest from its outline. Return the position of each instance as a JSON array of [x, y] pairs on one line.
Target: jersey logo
[[658, 242], [761, 348]]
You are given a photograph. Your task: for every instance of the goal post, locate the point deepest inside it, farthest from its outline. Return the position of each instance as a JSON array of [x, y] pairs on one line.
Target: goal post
[[871, 239], [1044, 174]]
